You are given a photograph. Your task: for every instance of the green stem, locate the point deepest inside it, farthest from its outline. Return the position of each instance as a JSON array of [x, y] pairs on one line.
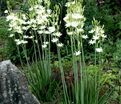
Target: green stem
[[63, 78]]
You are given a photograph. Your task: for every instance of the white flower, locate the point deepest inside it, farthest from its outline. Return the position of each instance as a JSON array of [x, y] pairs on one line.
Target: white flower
[[36, 41], [66, 18], [95, 37], [25, 36], [11, 35], [92, 42], [49, 11], [47, 32], [80, 30], [24, 41], [84, 36], [31, 9], [60, 45], [77, 16], [70, 33], [6, 11], [68, 24], [91, 31], [102, 31], [58, 34], [77, 53], [20, 31], [74, 24], [18, 43], [31, 37], [51, 29], [11, 17], [103, 36], [99, 49], [69, 3], [24, 16], [42, 27], [54, 40], [40, 32], [44, 45], [16, 40], [25, 28], [10, 29]]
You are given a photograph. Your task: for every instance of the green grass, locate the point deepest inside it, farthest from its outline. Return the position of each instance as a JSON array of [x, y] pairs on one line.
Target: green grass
[[3, 37], [3, 28]]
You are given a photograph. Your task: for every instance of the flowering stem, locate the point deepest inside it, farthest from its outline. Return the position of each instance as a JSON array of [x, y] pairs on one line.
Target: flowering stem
[[63, 78]]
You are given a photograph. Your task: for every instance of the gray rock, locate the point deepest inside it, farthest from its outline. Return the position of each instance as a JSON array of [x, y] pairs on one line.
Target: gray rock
[[14, 86]]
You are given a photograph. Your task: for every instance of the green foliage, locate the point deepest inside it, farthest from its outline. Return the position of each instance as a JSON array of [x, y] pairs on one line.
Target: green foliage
[[117, 54], [14, 4], [41, 83], [8, 48], [3, 37], [3, 28]]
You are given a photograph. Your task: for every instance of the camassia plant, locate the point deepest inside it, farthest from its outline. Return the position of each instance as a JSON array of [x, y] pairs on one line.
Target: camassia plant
[[39, 28]]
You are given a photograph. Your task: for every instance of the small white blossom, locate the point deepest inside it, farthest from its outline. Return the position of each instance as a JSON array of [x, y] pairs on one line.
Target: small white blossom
[[99, 49], [77, 16], [16, 40], [51, 29], [54, 40], [47, 32], [25, 36], [31, 9], [70, 33], [77, 53], [60, 45], [49, 11], [42, 27], [25, 28], [92, 42], [95, 37], [44, 46], [68, 24], [46, 43], [31, 37], [11, 35], [36, 41], [18, 43], [24, 16], [6, 11], [40, 32], [9, 29], [103, 36], [84, 36], [66, 18], [74, 24], [91, 31], [80, 30], [24, 41], [58, 34]]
